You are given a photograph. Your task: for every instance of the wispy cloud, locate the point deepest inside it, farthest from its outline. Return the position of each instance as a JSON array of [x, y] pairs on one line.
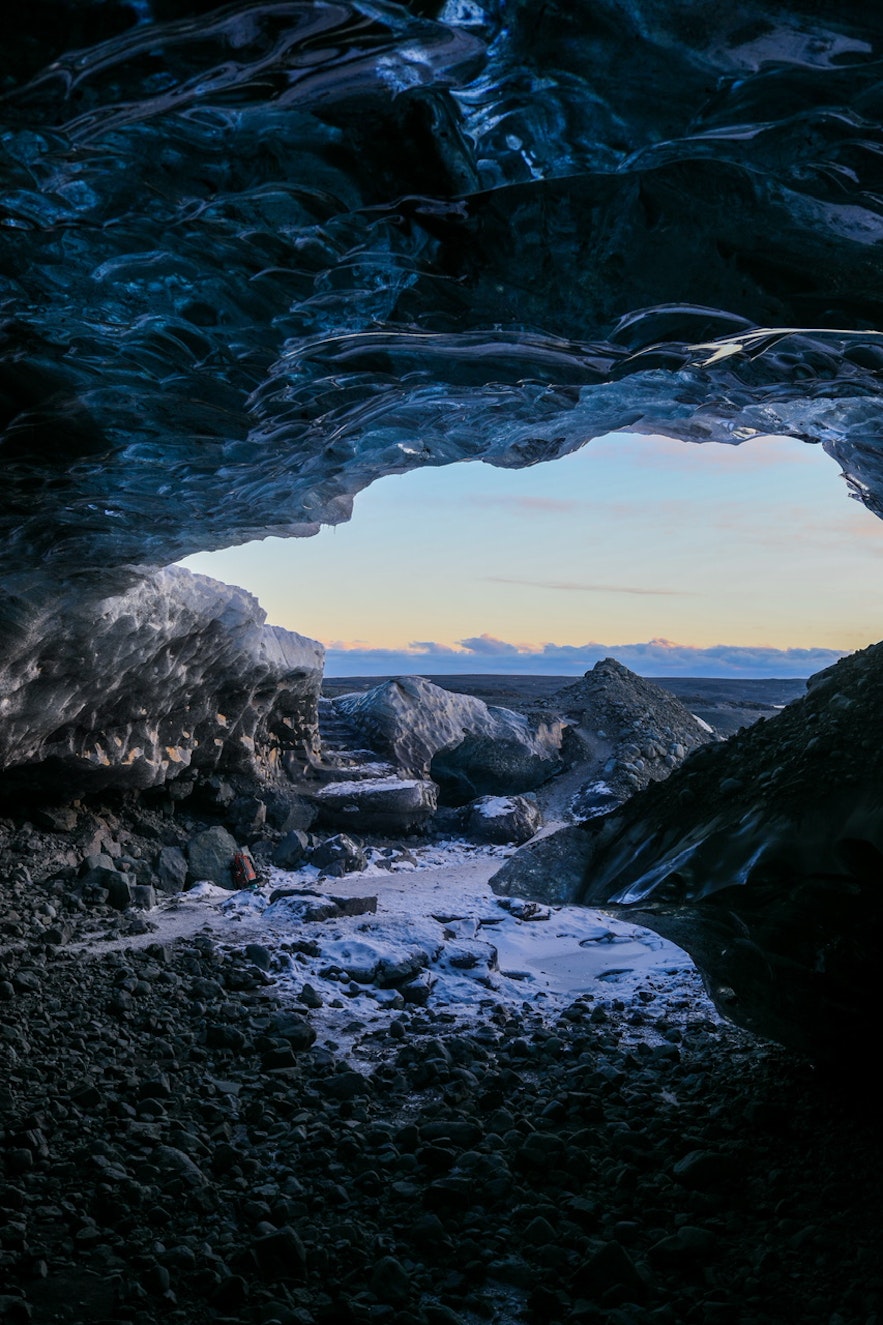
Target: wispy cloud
[[655, 657], [576, 586]]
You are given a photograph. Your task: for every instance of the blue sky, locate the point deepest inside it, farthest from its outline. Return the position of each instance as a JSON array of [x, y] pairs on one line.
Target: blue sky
[[676, 558]]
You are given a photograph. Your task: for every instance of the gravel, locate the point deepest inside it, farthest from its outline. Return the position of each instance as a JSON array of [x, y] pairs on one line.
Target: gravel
[[178, 1148]]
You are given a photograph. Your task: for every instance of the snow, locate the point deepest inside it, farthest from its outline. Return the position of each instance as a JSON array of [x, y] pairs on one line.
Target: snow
[[437, 920], [494, 807], [361, 786], [704, 725]]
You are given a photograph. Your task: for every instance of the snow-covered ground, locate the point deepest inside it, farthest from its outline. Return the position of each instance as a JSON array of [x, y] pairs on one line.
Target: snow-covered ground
[[436, 919]]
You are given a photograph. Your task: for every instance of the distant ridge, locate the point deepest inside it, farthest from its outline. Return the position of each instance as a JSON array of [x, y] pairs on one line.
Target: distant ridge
[[725, 703]]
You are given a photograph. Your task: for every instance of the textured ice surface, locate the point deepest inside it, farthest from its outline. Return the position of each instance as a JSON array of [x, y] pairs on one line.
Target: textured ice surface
[[252, 259], [255, 258], [176, 673]]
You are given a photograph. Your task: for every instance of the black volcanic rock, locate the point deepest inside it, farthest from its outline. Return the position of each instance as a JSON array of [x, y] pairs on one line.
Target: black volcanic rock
[[503, 818], [625, 732], [388, 805], [545, 1151]]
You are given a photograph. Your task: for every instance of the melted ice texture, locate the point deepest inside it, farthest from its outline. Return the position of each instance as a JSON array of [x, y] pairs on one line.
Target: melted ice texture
[[254, 259]]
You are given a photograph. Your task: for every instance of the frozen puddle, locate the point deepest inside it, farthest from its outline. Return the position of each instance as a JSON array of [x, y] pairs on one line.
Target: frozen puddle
[[439, 936]]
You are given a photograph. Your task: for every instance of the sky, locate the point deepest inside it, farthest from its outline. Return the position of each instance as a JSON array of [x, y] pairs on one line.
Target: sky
[[675, 558]]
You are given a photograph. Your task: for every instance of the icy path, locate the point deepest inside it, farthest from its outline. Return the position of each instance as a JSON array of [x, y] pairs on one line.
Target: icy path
[[439, 936]]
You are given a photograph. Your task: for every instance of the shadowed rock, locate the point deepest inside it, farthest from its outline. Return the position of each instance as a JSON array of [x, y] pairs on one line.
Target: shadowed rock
[[384, 805], [763, 858], [503, 818], [210, 854], [623, 733]]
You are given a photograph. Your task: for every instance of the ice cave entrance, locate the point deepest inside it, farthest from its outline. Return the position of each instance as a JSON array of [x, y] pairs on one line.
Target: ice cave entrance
[[678, 558]]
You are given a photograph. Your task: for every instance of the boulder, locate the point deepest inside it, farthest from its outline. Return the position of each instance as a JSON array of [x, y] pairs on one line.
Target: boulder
[[291, 852], [210, 855], [108, 885], [247, 817], [552, 869], [339, 855], [501, 819], [468, 747], [144, 896], [170, 870], [288, 811], [377, 805]]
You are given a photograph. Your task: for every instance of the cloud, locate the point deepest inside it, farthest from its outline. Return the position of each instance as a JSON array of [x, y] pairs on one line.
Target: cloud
[[430, 647], [574, 586], [656, 657], [487, 645]]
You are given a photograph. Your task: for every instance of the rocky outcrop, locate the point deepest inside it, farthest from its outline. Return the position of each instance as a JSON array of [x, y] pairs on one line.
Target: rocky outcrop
[[501, 819], [623, 733], [763, 858], [468, 747], [175, 672], [640, 729], [383, 805]]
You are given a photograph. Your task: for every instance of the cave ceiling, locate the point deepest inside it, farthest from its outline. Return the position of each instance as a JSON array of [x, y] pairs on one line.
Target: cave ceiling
[[253, 258]]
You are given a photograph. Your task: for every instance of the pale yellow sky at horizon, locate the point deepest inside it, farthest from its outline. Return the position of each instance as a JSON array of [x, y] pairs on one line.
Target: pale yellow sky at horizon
[[631, 538]]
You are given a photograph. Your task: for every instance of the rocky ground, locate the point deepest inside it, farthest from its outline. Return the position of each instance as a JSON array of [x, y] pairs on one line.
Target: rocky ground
[[183, 1141], [180, 1147]]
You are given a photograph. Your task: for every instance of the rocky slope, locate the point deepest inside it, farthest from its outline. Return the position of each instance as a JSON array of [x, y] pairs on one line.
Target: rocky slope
[[762, 857], [623, 733]]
